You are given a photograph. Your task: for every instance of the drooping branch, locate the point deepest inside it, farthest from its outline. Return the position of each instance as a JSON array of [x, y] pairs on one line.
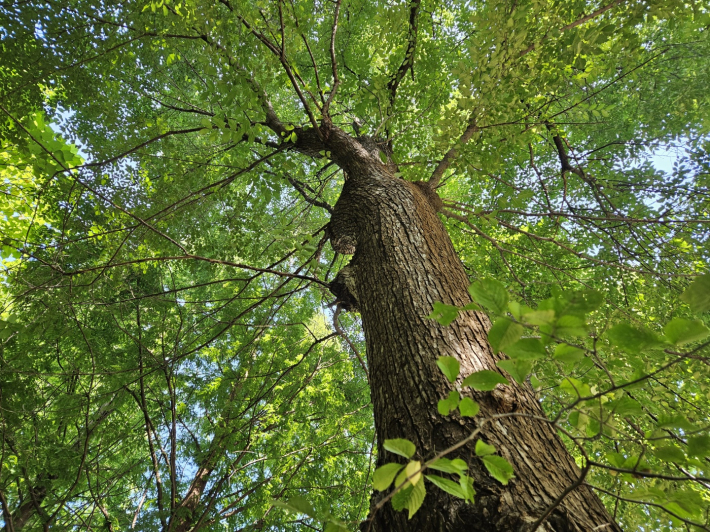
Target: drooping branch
[[333, 62], [199, 258], [563, 246], [310, 54], [408, 61]]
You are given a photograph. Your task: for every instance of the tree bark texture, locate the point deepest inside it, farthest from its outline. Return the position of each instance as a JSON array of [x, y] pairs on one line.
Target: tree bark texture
[[403, 262]]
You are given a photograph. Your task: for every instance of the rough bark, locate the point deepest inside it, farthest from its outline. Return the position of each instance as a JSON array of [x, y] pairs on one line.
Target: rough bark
[[403, 262]]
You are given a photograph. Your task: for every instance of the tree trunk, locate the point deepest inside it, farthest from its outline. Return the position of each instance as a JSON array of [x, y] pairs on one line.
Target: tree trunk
[[403, 262]]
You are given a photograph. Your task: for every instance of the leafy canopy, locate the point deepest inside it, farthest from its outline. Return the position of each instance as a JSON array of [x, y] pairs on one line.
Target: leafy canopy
[[168, 352]]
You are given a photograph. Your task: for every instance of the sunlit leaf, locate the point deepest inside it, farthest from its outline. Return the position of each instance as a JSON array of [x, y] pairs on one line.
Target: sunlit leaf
[[484, 380]]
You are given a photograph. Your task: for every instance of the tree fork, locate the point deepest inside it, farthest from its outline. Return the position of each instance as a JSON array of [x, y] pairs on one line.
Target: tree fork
[[403, 261]]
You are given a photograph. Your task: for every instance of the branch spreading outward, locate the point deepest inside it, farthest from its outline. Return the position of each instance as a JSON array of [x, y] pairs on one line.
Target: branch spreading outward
[[472, 128], [451, 155]]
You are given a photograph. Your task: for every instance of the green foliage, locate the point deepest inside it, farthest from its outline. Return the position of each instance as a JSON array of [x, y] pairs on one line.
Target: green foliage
[[444, 314], [499, 468], [400, 446], [449, 486], [484, 380], [445, 406], [163, 255], [504, 333], [570, 343], [468, 407], [409, 486], [679, 331], [449, 366], [384, 476], [697, 295], [483, 449], [491, 294]]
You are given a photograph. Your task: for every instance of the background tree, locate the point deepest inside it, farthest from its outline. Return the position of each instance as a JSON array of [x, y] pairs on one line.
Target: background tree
[[177, 348]]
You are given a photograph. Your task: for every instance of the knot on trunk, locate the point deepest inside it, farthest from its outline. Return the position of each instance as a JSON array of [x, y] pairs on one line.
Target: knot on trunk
[[344, 288], [345, 244]]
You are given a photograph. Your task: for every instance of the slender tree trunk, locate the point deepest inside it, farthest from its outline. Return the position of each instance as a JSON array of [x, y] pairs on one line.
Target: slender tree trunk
[[403, 262]]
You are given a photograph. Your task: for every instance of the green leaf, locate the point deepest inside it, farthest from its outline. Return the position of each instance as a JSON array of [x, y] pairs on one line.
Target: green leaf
[[499, 468], [518, 369], [484, 449], [504, 333], [297, 504], [449, 466], [491, 294], [468, 407], [445, 406], [675, 421], [697, 295], [444, 314], [670, 453], [626, 406], [449, 366], [575, 387], [635, 462], [616, 459], [570, 325], [449, 486], [485, 380], [582, 302], [401, 498], [401, 447], [411, 470], [699, 446], [332, 526], [466, 484], [632, 339], [457, 462], [526, 349], [680, 331], [410, 497], [538, 317], [416, 498], [568, 354], [384, 475], [685, 503]]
